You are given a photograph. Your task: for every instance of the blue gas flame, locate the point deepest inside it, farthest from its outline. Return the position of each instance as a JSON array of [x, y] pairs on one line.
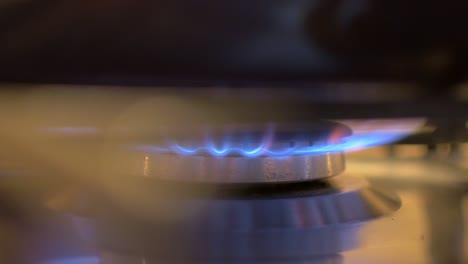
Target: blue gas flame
[[357, 141], [350, 143]]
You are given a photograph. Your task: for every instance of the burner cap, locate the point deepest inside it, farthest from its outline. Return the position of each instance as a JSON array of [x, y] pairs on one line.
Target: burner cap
[[234, 169], [239, 154]]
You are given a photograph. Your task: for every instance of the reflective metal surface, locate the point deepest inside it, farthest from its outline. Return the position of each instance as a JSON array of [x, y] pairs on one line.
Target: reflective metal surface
[[236, 169], [230, 229], [421, 232]]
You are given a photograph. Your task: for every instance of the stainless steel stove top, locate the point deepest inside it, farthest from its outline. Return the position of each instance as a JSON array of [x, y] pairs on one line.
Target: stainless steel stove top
[[428, 227]]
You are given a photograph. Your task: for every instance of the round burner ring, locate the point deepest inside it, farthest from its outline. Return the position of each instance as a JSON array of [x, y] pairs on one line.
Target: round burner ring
[[238, 169], [243, 153]]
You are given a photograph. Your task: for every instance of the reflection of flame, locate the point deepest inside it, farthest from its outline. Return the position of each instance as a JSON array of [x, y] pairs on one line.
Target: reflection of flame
[[365, 134]]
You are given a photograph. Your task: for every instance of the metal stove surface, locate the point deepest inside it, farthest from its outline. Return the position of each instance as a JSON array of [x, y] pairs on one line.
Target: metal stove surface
[[429, 228]]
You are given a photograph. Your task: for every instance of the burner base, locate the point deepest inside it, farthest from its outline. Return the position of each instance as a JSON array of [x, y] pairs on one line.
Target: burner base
[[240, 228]]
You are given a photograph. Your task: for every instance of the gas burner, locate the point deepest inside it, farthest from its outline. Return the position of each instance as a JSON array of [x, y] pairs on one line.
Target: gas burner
[[255, 153], [240, 169], [317, 219], [199, 206], [245, 154]]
